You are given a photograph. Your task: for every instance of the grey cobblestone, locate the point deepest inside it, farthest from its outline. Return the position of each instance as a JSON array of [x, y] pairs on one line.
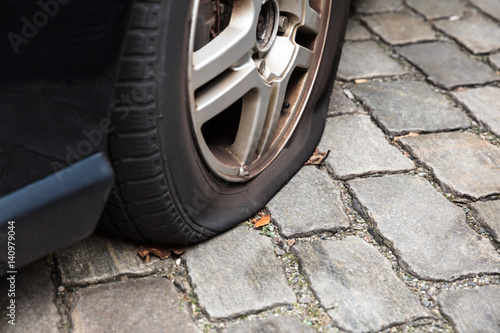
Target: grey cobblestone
[[99, 259], [35, 308], [340, 104], [230, 283], [355, 31], [472, 310], [366, 60], [377, 6], [269, 325], [433, 9], [309, 203], [463, 163], [429, 234], [150, 304], [484, 104], [495, 60], [357, 286], [447, 66], [357, 147], [403, 107], [490, 7], [488, 214], [400, 28], [477, 33]]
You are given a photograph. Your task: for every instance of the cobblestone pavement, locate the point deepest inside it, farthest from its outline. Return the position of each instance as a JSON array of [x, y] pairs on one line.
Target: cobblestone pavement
[[398, 231]]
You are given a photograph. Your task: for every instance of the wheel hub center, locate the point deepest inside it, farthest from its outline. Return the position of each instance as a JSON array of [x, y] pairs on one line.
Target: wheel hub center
[[267, 25]]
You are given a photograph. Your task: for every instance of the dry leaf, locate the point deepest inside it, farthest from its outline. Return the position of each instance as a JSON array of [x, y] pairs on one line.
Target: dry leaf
[[317, 158], [162, 253], [291, 242], [405, 136], [264, 220], [178, 251], [360, 81], [143, 253]]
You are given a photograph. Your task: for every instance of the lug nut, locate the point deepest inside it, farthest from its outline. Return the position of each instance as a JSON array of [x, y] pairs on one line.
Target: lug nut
[[283, 24], [261, 65]]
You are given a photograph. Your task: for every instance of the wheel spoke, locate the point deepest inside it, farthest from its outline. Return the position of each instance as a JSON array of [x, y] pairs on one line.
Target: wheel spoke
[[253, 117], [311, 18], [275, 108], [302, 57], [230, 46], [227, 90], [308, 17]]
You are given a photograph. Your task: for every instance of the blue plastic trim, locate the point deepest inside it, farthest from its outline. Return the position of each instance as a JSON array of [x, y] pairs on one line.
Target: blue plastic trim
[[56, 211]]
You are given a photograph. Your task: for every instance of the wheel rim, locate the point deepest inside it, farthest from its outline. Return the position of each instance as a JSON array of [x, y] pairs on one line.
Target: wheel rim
[[248, 86]]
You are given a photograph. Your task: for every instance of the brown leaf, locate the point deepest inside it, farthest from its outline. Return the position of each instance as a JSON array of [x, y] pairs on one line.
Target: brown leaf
[[317, 158], [178, 251], [291, 242], [264, 220], [162, 253], [143, 253], [405, 136]]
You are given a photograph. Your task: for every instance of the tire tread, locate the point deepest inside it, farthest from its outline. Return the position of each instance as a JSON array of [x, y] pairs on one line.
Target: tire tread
[[140, 205]]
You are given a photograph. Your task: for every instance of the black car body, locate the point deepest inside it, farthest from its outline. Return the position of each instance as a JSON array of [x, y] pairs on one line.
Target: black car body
[[57, 66]]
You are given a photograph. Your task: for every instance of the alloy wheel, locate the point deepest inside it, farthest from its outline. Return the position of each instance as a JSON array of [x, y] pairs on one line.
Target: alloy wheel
[[253, 66]]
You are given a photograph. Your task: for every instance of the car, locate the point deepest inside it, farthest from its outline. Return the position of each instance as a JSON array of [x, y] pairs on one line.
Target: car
[[169, 121]]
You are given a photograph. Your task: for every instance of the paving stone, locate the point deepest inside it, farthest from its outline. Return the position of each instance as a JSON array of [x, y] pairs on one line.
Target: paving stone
[[488, 214], [35, 309], [433, 9], [428, 234], [366, 60], [99, 259], [357, 147], [237, 273], [377, 6], [270, 325], [462, 162], [446, 66], [476, 33], [308, 204], [484, 105], [472, 310], [495, 60], [340, 104], [149, 304], [355, 31], [400, 28], [403, 107], [490, 7], [357, 285]]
